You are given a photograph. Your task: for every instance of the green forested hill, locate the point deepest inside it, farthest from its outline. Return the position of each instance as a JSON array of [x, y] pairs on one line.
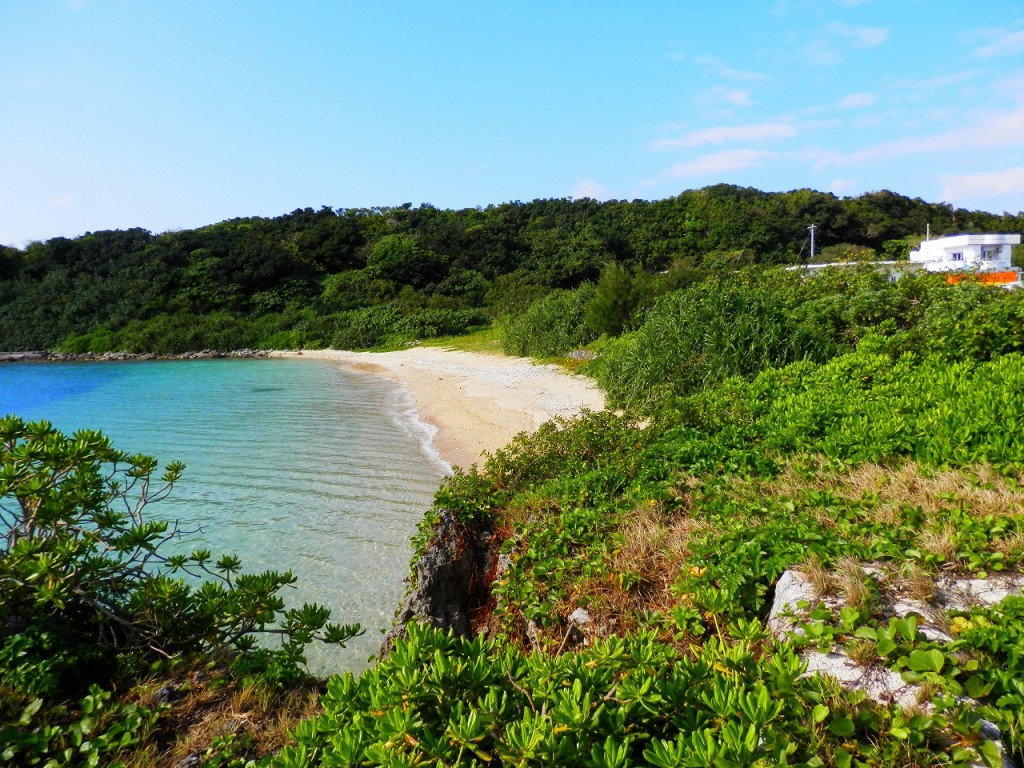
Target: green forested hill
[[365, 277]]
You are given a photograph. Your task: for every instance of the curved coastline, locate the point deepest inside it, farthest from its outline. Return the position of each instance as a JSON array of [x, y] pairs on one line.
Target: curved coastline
[[468, 403], [476, 402], [116, 357]]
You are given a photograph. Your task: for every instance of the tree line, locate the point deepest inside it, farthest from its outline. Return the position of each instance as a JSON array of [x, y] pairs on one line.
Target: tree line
[[376, 276]]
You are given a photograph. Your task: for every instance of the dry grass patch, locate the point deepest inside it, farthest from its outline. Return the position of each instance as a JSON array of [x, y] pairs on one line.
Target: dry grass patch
[[204, 706], [819, 576], [1009, 545], [854, 584], [863, 653], [886, 490], [652, 548], [919, 584], [941, 543], [641, 571]]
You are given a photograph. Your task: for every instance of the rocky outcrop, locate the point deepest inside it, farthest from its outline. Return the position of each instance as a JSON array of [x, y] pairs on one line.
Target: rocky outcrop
[[106, 357], [451, 579], [795, 595]]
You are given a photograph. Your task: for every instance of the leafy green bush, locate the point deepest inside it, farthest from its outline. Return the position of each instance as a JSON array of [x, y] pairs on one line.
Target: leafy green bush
[[617, 295], [552, 325], [387, 325], [78, 564], [431, 323], [969, 321], [701, 335], [177, 333], [89, 599], [365, 328], [631, 701], [868, 407]]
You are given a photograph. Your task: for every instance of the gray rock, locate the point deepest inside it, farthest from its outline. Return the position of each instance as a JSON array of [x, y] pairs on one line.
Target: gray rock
[[452, 579], [580, 617], [167, 694], [791, 589], [964, 594], [880, 683]]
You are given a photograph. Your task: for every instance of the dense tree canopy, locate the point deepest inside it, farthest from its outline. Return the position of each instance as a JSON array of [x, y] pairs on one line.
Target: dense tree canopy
[[292, 278]]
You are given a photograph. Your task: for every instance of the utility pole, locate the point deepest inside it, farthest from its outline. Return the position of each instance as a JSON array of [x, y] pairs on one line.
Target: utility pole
[[811, 230]]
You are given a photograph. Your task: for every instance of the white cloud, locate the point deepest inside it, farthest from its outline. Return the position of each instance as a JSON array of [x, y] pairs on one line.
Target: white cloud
[[736, 97], [1006, 44], [857, 100], [714, 65], [997, 130], [828, 46], [822, 53], [591, 189], [720, 162], [728, 133], [861, 37], [989, 184], [1013, 86], [940, 81], [28, 83]]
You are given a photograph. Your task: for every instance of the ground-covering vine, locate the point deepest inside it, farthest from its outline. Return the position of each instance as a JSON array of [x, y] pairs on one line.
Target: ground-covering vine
[[671, 532]]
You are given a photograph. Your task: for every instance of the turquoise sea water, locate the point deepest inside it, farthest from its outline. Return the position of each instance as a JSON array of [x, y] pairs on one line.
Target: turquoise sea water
[[291, 464]]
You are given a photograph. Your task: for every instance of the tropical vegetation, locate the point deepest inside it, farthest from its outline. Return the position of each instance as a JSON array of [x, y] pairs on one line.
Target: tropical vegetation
[[385, 276], [861, 431]]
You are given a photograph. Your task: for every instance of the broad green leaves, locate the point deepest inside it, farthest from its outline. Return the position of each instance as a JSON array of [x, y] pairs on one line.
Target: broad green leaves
[[87, 599]]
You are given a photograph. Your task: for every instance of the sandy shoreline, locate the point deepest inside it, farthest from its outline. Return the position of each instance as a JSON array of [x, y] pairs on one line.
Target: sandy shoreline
[[477, 402]]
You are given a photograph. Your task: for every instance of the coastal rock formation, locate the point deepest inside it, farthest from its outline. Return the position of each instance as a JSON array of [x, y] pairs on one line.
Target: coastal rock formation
[[106, 357], [795, 595], [452, 579]]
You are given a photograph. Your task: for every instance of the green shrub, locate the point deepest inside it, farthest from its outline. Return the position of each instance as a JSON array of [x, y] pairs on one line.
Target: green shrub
[[622, 701], [701, 335], [615, 299], [365, 328], [387, 325], [431, 323], [552, 325], [89, 600]]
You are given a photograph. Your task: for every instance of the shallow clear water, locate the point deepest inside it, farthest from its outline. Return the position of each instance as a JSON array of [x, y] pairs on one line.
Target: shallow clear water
[[291, 464]]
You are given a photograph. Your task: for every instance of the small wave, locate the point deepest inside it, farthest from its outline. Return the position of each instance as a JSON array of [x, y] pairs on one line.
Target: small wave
[[407, 418]]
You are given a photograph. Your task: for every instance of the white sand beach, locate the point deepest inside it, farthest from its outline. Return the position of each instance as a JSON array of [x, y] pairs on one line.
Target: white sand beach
[[477, 401]]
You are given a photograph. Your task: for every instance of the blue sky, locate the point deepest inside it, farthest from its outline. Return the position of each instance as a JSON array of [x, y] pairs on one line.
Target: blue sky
[[173, 114]]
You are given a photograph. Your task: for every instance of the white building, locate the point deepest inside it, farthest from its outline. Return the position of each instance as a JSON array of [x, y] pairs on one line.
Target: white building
[[982, 253], [985, 258]]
